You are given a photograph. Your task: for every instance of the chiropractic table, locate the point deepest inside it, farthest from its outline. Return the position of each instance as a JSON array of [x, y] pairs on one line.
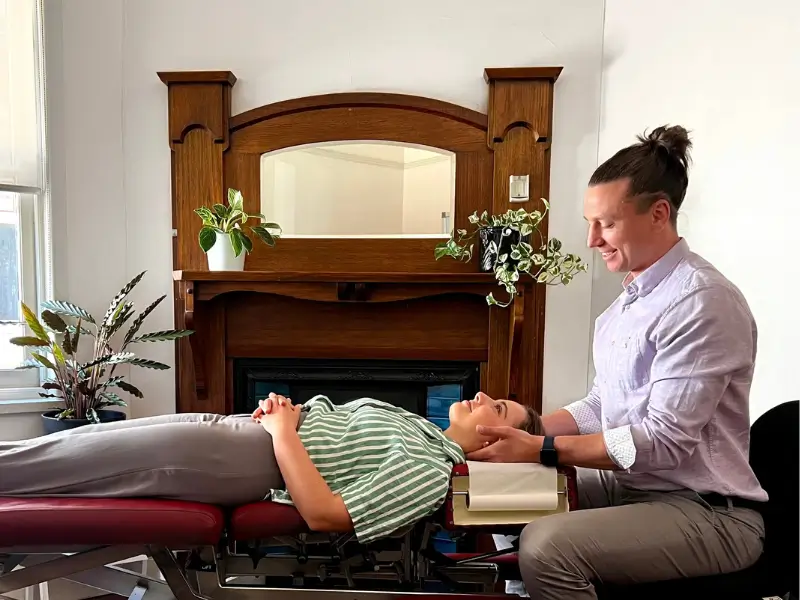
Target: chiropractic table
[[261, 550]]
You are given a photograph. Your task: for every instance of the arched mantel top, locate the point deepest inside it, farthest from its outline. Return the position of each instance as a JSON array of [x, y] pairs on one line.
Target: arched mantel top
[[356, 100]]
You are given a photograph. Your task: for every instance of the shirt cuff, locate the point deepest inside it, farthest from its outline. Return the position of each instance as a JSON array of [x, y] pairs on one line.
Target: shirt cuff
[[584, 416], [620, 446]]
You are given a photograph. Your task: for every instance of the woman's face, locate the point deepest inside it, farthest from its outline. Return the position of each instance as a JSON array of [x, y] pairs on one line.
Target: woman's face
[[465, 416]]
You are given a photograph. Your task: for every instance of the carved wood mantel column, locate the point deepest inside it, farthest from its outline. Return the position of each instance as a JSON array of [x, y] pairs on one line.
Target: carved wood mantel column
[[519, 133], [199, 108]]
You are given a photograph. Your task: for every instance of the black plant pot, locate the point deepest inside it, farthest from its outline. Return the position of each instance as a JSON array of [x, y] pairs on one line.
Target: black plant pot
[[494, 242], [54, 425]]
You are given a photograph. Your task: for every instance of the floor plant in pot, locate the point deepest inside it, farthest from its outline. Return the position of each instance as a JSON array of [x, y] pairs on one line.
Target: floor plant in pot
[[88, 385], [512, 245], [223, 237]]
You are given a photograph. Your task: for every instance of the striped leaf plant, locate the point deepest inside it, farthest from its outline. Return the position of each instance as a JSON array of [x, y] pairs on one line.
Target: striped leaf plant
[[86, 385]]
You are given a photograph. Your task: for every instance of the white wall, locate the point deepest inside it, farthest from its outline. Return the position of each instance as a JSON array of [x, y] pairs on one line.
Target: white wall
[[109, 122], [731, 73]]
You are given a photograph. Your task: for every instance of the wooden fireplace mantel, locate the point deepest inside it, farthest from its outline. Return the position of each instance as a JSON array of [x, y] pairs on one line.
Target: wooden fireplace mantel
[[334, 298]]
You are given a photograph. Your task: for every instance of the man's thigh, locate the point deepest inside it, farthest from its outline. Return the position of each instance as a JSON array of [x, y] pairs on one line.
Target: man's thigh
[[596, 488], [669, 537]]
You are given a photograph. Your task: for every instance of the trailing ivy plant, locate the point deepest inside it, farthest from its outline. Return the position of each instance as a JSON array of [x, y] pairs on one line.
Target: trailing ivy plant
[[230, 219], [87, 385], [541, 259]]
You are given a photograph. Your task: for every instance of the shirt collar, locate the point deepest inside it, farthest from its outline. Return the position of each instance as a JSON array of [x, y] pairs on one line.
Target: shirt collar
[[648, 279]]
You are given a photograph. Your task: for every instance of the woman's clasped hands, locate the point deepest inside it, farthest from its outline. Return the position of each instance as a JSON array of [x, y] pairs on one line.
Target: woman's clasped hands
[[277, 414]]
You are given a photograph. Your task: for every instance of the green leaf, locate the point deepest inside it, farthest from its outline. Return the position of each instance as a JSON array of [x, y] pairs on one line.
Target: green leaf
[[205, 213], [236, 242], [58, 353], [68, 345], [264, 235], [76, 336], [148, 364], [43, 360], [235, 199], [53, 321], [246, 241], [112, 398], [121, 295], [162, 336], [222, 211], [207, 237], [28, 340], [137, 322], [131, 389], [68, 309], [542, 277], [273, 228], [83, 331], [113, 380], [34, 324], [109, 359]]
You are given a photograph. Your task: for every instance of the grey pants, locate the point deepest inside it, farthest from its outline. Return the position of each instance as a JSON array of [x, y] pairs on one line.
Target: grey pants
[[621, 536], [225, 460]]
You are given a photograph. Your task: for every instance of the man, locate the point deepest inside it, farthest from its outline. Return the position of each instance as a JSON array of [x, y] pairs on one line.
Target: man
[[663, 435]]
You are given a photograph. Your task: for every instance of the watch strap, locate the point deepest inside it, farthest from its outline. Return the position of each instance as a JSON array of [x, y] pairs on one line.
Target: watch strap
[[549, 455]]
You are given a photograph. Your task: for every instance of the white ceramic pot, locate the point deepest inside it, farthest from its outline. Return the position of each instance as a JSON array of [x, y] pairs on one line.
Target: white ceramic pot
[[221, 257]]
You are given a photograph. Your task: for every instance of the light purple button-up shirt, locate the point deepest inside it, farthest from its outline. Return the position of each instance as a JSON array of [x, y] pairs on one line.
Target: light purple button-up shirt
[[674, 356]]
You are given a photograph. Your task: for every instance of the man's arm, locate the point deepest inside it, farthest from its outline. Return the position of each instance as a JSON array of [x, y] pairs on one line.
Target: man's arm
[[702, 342], [577, 418], [560, 422], [321, 509]]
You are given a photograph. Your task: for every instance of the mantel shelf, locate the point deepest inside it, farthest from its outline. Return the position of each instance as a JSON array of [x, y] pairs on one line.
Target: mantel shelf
[[331, 277]]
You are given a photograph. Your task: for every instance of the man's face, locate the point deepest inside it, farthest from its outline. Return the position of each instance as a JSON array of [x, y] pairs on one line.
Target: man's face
[[625, 238]]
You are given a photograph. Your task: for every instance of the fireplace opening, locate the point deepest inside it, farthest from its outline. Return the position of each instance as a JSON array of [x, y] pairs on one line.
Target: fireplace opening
[[426, 388]]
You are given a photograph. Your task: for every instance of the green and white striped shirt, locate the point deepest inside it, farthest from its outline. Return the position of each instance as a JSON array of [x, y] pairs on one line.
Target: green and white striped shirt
[[390, 466]]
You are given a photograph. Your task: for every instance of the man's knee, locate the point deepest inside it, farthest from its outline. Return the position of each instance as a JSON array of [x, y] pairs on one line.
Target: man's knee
[[546, 544]]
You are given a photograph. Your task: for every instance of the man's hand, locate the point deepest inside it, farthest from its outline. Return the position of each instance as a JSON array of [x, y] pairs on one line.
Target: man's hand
[[509, 445], [278, 416]]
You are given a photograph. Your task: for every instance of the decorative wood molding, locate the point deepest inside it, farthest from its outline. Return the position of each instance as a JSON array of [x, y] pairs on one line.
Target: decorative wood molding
[[373, 298]]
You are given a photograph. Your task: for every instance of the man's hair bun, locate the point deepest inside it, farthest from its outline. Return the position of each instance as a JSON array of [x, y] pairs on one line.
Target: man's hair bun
[[673, 140]]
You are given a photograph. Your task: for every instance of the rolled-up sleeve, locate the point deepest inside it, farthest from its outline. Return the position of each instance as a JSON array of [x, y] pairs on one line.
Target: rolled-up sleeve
[[702, 342], [586, 412]]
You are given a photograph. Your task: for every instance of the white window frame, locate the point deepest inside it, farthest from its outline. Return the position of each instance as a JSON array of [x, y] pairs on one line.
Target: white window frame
[[19, 387]]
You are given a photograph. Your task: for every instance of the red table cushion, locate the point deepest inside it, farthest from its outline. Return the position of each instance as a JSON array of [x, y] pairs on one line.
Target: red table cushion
[[265, 519], [97, 521]]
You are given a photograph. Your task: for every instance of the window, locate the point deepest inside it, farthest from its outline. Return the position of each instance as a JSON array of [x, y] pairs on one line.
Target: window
[[24, 200]]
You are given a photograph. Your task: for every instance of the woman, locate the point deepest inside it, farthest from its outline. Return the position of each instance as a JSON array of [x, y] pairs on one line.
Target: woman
[[364, 466]]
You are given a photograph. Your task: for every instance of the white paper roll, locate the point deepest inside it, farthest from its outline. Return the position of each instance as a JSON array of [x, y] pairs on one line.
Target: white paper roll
[[512, 486]]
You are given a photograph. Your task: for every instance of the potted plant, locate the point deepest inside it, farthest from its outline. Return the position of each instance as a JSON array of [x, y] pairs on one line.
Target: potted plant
[[506, 248], [223, 238], [88, 386]]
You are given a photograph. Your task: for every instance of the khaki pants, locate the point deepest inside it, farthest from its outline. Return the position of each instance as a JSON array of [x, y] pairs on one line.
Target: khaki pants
[[623, 536]]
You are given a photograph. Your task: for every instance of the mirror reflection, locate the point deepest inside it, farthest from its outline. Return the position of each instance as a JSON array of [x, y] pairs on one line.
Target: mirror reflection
[[359, 189]]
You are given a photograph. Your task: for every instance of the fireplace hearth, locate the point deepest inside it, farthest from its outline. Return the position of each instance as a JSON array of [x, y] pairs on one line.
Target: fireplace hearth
[[423, 387]]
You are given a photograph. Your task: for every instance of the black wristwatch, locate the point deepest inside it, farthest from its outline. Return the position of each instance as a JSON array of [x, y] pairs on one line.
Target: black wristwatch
[[548, 455]]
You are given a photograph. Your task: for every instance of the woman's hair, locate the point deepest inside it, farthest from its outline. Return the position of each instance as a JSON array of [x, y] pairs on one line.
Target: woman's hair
[[532, 423], [657, 167]]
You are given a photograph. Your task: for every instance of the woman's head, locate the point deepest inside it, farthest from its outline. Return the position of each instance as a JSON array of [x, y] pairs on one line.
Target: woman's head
[[465, 416], [633, 199]]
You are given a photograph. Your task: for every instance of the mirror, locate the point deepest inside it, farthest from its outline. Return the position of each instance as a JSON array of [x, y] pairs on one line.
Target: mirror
[[359, 189]]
